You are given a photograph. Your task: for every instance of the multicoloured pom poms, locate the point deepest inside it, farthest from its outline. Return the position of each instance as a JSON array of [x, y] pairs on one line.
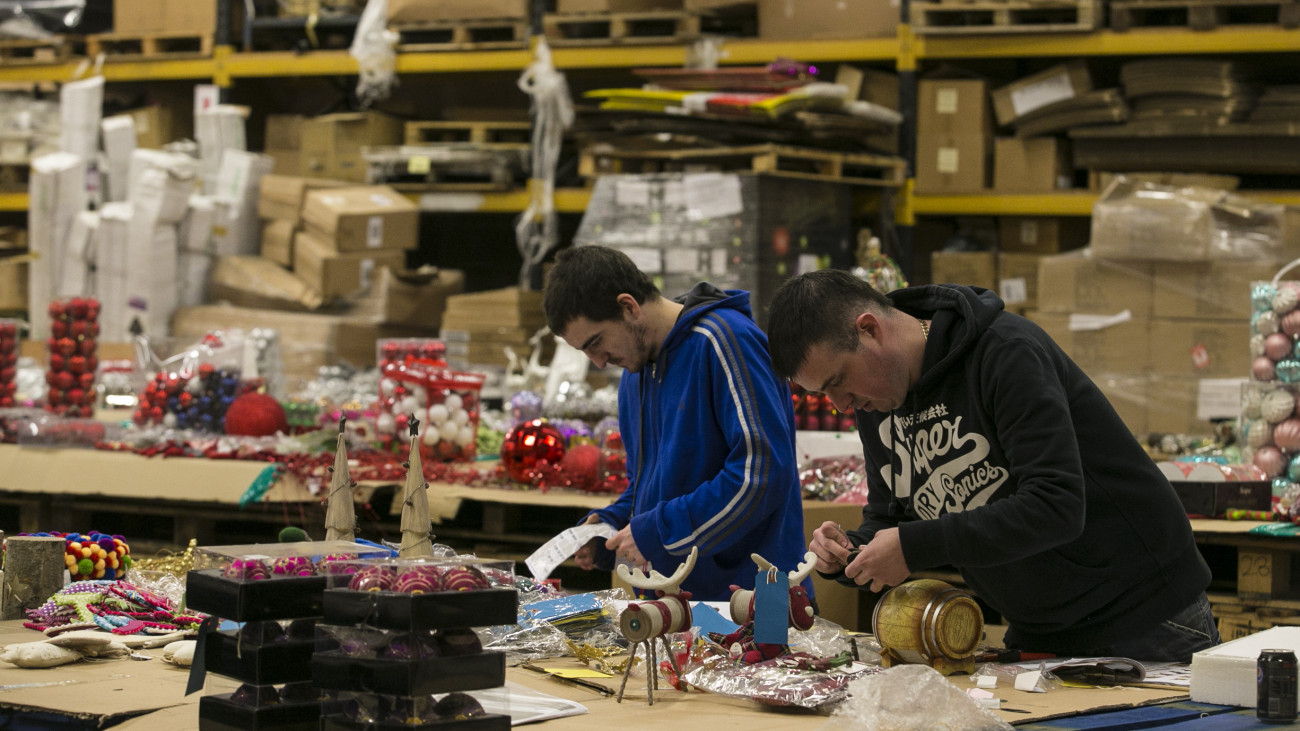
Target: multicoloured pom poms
[[94, 555]]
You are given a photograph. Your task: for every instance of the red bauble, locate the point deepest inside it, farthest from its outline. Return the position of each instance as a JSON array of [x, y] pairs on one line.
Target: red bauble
[[86, 380], [66, 347], [256, 415], [78, 308], [54, 397], [64, 380], [8, 343], [76, 397], [58, 362], [58, 328], [56, 310], [87, 347], [529, 443], [206, 370], [77, 364], [7, 374], [581, 465], [79, 329]]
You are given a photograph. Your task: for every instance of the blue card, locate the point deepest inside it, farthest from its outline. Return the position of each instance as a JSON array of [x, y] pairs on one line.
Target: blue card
[[772, 607], [709, 619]]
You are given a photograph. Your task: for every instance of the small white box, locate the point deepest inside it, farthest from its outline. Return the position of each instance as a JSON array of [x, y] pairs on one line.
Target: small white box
[[1226, 674]]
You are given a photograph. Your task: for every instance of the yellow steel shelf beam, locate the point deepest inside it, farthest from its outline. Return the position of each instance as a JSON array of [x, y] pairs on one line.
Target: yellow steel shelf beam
[[567, 200], [1065, 203], [13, 202], [1136, 42], [138, 69], [733, 52]]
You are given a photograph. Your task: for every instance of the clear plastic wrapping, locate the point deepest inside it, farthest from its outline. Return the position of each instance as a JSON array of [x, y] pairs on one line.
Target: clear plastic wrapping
[[911, 696]]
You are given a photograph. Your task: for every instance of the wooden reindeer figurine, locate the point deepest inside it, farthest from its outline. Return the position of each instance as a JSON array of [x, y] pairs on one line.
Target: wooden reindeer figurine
[[643, 623], [741, 643]]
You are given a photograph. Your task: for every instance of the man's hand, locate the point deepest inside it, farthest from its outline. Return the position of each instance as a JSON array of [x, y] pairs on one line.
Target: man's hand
[[879, 563], [832, 547], [625, 546], [585, 557]]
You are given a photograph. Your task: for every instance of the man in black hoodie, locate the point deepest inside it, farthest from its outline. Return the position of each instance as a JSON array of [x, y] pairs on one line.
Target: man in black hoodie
[[989, 450]]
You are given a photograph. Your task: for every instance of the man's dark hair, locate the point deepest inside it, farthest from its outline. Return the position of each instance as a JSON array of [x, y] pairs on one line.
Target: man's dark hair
[[586, 281], [817, 307]]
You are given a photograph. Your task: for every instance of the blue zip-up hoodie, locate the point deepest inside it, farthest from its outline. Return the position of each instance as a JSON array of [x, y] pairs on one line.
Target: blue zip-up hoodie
[[709, 433]]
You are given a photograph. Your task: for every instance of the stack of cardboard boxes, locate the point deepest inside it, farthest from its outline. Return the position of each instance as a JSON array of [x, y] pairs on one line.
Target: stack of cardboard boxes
[[478, 327], [328, 146]]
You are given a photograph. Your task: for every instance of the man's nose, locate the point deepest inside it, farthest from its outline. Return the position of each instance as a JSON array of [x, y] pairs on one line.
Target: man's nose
[[841, 402]]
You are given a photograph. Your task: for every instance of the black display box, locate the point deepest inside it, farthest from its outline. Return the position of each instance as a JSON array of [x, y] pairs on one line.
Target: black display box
[[1214, 499], [292, 597], [490, 722], [219, 713], [337, 671], [422, 612], [284, 661]]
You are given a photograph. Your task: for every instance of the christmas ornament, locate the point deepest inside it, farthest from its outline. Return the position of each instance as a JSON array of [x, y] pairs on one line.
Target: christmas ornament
[[64, 350], [1270, 460], [1286, 434], [417, 540], [255, 415], [1286, 298], [1264, 323], [524, 406], [372, 578], [247, 569], [293, 566], [528, 444], [1261, 296], [874, 268], [1288, 370], [464, 578], [1250, 402], [1290, 323], [1277, 346], [8, 362], [1258, 433], [419, 580], [1263, 369], [1276, 405], [1293, 468], [340, 511]]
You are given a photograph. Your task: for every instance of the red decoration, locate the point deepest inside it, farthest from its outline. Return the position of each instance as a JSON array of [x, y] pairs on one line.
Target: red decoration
[[528, 444], [70, 356], [581, 465], [256, 415]]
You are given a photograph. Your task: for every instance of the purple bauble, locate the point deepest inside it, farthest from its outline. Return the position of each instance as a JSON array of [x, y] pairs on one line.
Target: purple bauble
[[458, 707], [419, 580], [293, 566], [338, 565], [464, 578], [409, 647], [247, 569], [453, 642], [372, 578]]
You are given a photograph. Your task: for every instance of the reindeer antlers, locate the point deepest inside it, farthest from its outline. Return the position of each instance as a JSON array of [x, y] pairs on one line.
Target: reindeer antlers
[[657, 581], [800, 572]]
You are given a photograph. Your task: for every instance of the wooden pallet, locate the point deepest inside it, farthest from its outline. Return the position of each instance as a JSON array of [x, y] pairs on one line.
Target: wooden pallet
[[602, 29], [1016, 16], [790, 162], [447, 167], [1203, 14], [149, 44], [480, 133], [52, 50], [462, 35]]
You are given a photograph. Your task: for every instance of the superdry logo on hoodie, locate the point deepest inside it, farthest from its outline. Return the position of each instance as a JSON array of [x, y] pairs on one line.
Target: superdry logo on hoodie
[[955, 466]]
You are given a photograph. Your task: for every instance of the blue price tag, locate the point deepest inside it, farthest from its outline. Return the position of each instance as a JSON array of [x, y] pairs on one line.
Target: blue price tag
[[771, 607]]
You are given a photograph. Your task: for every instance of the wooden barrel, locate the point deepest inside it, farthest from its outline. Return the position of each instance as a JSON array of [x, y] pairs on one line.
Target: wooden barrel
[[927, 619]]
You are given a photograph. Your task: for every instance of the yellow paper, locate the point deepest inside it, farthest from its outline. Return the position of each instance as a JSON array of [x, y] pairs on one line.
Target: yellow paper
[[577, 673], [418, 165]]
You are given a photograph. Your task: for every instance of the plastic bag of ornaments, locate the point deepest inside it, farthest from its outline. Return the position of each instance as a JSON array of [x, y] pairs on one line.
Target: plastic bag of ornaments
[[1274, 331], [10, 332], [193, 388], [71, 357], [445, 400], [1270, 431]]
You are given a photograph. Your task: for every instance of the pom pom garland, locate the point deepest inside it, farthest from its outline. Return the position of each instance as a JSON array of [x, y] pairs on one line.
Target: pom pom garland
[[93, 556]]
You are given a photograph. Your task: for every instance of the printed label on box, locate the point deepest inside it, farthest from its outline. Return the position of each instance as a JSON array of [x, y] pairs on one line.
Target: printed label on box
[[1013, 290], [380, 199], [945, 101], [1047, 91], [1028, 232], [949, 159], [375, 231], [367, 271], [712, 195], [1219, 398]]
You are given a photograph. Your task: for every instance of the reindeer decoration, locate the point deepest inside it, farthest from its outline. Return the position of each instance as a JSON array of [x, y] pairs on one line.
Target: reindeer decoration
[[645, 622], [741, 643]]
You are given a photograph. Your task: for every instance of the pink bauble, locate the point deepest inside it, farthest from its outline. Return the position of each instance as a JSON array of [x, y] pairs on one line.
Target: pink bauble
[[1277, 346], [247, 569], [1291, 323], [464, 578], [1271, 460], [1262, 369], [419, 580], [293, 566], [1286, 435], [372, 578]]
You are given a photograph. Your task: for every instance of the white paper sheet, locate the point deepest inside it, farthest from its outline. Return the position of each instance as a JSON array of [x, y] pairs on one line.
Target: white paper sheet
[[555, 551]]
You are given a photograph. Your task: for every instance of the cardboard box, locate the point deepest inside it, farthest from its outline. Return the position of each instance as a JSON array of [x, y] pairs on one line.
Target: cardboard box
[[137, 16], [153, 127], [423, 11], [1058, 83], [1118, 348], [331, 144], [287, 162], [508, 307], [1200, 348], [615, 6], [189, 16], [1018, 279], [954, 136], [283, 131], [338, 274], [805, 20], [282, 196], [1216, 290], [975, 268], [277, 241], [413, 298], [13, 283], [1079, 283], [252, 281], [1042, 234], [362, 218], [1031, 165]]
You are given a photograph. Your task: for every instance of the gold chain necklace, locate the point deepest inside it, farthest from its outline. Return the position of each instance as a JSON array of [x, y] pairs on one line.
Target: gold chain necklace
[[925, 330]]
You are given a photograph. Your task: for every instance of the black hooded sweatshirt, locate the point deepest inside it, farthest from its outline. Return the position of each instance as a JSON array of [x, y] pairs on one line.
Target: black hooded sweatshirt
[[1008, 463]]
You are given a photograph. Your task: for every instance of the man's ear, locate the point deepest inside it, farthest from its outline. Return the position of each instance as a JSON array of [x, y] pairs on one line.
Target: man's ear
[[631, 308], [868, 324]]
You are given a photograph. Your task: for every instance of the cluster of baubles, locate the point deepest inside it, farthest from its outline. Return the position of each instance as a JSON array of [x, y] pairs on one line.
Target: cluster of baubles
[[1275, 327], [70, 370], [8, 362], [419, 579], [430, 392], [1270, 430], [375, 709], [189, 401]]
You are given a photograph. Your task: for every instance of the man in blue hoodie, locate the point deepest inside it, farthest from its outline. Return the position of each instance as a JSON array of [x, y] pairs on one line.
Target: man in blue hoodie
[[707, 425], [989, 450]]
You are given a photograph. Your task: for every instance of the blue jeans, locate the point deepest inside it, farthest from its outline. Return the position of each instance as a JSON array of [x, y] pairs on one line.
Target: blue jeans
[[1173, 640]]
